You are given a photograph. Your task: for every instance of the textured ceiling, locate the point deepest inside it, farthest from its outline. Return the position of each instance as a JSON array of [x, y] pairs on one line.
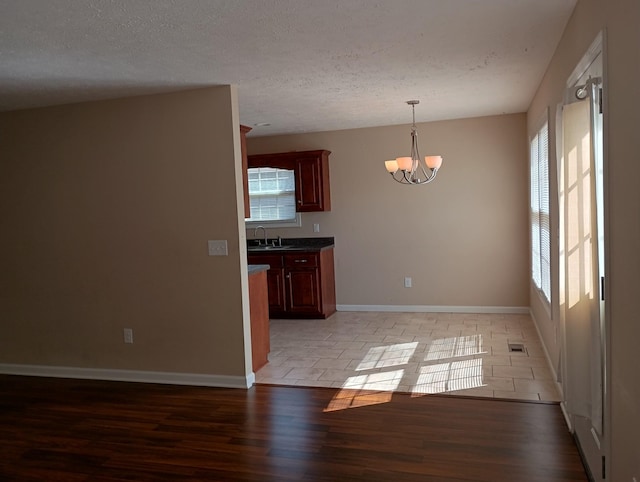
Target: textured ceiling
[[300, 65]]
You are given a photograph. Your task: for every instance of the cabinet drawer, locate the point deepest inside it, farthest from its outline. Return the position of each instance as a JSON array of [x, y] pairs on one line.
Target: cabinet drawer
[[302, 260]]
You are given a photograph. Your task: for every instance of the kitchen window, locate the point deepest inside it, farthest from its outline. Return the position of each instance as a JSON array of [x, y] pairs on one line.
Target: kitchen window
[[272, 197]]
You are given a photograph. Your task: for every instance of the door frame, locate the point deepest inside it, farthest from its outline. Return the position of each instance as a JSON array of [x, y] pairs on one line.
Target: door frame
[[598, 47]]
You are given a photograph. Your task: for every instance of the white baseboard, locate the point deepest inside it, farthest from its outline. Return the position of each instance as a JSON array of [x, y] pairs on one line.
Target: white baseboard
[[567, 418], [170, 378], [435, 309], [550, 364]]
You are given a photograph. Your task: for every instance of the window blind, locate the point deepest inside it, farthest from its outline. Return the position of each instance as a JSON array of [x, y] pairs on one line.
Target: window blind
[[540, 222], [272, 194]]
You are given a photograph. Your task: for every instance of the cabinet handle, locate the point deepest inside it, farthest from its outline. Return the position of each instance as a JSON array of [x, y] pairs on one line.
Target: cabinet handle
[[288, 276], [301, 260], [299, 201]]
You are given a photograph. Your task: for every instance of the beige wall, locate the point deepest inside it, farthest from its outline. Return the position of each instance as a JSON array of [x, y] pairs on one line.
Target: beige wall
[[462, 239], [622, 144], [105, 212]]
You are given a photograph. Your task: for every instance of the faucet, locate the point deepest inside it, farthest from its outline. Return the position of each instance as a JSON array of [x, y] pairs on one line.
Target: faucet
[[264, 231]]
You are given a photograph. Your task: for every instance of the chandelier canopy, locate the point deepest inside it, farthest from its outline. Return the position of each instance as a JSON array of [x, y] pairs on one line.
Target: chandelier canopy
[[413, 170]]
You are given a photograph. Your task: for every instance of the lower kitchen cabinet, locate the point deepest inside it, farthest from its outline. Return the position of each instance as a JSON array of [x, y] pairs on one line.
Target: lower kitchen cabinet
[[300, 284], [275, 283], [303, 293]]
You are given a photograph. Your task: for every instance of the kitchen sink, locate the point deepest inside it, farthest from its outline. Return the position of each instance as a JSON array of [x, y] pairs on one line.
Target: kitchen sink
[[268, 247]]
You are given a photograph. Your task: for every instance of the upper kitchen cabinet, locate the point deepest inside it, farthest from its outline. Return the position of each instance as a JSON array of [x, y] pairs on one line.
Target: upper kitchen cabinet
[[312, 181], [245, 166], [311, 170]]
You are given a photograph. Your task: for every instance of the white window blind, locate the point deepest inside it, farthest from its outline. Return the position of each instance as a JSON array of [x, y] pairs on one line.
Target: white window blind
[[540, 224], [272, 194]]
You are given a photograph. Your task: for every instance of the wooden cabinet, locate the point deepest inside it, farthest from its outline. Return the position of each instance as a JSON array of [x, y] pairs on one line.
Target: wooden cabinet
[[312, 182], [300, 284], [311, 172], [245, 166], [275, 280], [302, 275], [259, 313]]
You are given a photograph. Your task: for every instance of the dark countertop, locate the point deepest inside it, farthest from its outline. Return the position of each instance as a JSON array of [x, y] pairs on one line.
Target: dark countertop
[[291, 244], [256, 268]]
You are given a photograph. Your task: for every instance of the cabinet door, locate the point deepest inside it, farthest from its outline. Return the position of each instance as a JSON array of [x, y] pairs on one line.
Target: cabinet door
[[303, 290], [302, 278], [308, 184], [276, 288]]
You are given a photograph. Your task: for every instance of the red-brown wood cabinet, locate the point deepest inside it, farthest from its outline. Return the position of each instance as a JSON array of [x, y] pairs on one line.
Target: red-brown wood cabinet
[[300, 284], [311, 173], [259, 313], [244, 130]]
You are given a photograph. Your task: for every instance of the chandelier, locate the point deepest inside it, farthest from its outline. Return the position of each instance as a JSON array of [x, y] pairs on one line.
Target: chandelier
[[413, 170]]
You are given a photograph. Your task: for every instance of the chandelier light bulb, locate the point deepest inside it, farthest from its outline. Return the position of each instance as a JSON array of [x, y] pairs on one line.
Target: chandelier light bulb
[[392, 166], [433, 162], [405, 163]]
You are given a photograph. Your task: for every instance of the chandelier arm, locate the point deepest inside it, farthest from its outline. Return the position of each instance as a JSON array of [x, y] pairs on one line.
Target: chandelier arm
[[408, 180], [427, 175], [429, 179], [401, 180]]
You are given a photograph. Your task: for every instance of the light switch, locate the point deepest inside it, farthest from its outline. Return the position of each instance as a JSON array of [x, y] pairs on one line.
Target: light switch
[[218, 247]]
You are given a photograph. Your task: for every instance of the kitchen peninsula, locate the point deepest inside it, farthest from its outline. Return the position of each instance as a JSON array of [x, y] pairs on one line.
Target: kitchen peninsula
[[259, 313]]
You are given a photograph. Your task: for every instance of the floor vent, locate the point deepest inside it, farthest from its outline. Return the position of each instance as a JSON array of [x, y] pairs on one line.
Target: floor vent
[[516, 348]]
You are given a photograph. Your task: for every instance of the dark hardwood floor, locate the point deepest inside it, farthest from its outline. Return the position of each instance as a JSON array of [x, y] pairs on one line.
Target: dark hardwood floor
[[82, 430]]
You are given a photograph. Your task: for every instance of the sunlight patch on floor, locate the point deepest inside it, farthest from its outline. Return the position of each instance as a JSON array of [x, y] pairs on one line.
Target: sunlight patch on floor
[[454, 347], [448, 377], [363, 390], [388, 356]]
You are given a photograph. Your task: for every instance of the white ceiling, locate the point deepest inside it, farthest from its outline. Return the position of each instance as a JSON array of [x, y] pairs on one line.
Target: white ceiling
[[300, 65]]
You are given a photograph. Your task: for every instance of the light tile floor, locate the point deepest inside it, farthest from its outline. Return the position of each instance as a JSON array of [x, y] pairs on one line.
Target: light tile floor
[[419, 353]]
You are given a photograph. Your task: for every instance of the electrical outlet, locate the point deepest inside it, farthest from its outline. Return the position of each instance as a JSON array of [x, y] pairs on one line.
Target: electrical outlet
[[407, 282], [128, 335], [217, 247], [316, 227]]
